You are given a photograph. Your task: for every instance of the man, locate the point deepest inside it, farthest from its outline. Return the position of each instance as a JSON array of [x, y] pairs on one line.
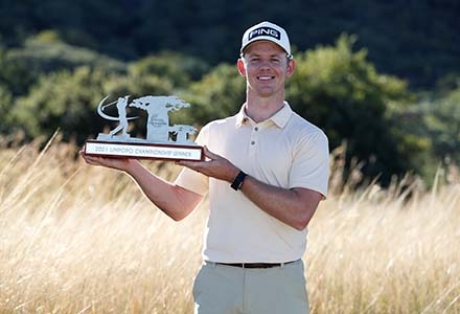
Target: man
[[266, 172]]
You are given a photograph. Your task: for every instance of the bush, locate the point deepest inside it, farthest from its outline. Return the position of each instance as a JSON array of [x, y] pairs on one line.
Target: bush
[[340, 91], [67, 100]]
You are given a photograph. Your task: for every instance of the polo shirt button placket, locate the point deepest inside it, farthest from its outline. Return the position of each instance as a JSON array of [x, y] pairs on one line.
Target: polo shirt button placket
[[253, 140]]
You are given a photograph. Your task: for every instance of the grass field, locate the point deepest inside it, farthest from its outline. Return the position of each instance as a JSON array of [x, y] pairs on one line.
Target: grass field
[[82, 239]]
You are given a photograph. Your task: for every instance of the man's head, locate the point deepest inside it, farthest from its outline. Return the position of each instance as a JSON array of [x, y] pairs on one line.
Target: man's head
[[269, 32]]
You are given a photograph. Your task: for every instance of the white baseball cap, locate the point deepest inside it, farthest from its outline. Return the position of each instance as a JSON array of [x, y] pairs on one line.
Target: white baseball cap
[[266, 31]]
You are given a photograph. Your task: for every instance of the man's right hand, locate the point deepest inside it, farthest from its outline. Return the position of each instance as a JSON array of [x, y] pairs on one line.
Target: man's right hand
[[121, 164]]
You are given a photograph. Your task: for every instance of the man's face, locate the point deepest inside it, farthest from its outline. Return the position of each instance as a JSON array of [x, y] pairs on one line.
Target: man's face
[[266, 68]]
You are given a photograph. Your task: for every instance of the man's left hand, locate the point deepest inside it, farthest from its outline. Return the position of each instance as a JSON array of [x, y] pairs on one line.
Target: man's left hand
[[214, 166]]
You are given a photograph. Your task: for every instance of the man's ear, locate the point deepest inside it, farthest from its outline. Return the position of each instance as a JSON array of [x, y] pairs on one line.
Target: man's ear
[[290, 67], [241, 67]]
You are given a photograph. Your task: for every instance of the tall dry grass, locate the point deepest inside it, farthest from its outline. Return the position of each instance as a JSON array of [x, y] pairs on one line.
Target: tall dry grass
[[82, 239]]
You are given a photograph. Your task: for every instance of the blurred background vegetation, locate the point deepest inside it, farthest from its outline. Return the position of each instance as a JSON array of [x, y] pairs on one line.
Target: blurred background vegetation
[[381, 78]]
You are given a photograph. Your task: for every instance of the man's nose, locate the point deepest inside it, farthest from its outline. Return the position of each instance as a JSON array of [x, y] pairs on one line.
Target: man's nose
[[265, 64]]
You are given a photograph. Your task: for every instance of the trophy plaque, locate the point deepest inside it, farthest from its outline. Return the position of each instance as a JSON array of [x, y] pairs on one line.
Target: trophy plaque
[[163, 141]]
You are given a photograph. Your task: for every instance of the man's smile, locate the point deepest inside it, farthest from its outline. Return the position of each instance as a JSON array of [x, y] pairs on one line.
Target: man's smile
[[265, 78]]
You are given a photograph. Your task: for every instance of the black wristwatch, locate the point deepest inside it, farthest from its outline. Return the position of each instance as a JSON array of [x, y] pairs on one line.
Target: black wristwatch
[[238, 181]]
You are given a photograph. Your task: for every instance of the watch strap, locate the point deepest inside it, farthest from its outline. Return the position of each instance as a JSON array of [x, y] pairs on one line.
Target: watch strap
[[238, 181]]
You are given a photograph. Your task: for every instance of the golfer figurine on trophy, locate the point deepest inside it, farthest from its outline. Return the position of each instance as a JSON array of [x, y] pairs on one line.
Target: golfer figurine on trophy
[[163, 141]]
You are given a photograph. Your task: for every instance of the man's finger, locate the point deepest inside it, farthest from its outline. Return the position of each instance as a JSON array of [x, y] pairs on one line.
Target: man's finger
[[210, 154]]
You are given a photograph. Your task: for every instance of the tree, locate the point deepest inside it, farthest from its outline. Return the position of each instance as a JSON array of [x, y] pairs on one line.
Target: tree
[[46, 53], [62, 100], [220, 93], [180, 69], [15, 75], [440, 118], [341, 91], [67, 100], [6, 101]]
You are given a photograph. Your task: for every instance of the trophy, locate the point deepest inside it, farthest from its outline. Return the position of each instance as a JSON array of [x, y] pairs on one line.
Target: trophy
[[163, 141]]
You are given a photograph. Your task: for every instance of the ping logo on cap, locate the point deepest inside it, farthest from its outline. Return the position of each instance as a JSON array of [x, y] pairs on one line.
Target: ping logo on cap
[[264, 31]]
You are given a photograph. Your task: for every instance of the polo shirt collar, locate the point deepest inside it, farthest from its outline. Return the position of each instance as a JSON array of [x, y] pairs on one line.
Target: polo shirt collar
[[280, 118]]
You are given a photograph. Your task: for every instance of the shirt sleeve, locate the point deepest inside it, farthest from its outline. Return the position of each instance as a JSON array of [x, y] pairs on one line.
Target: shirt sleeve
[[310, 168]]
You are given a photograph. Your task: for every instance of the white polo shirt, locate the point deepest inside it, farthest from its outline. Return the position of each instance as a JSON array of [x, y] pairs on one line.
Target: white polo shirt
[[285, 151]]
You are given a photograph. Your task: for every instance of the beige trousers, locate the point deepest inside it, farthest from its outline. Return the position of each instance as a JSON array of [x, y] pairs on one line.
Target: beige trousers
[[232, 290]]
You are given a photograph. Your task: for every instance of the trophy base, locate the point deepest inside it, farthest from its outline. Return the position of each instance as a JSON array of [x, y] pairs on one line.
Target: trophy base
[[144, 150]]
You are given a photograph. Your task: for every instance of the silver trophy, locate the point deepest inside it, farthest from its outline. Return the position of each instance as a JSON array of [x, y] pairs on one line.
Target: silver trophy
[[163, 141]]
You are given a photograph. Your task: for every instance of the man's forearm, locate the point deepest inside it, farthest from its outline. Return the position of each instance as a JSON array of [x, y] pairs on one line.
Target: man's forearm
[[173, 200], [295, 207]]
